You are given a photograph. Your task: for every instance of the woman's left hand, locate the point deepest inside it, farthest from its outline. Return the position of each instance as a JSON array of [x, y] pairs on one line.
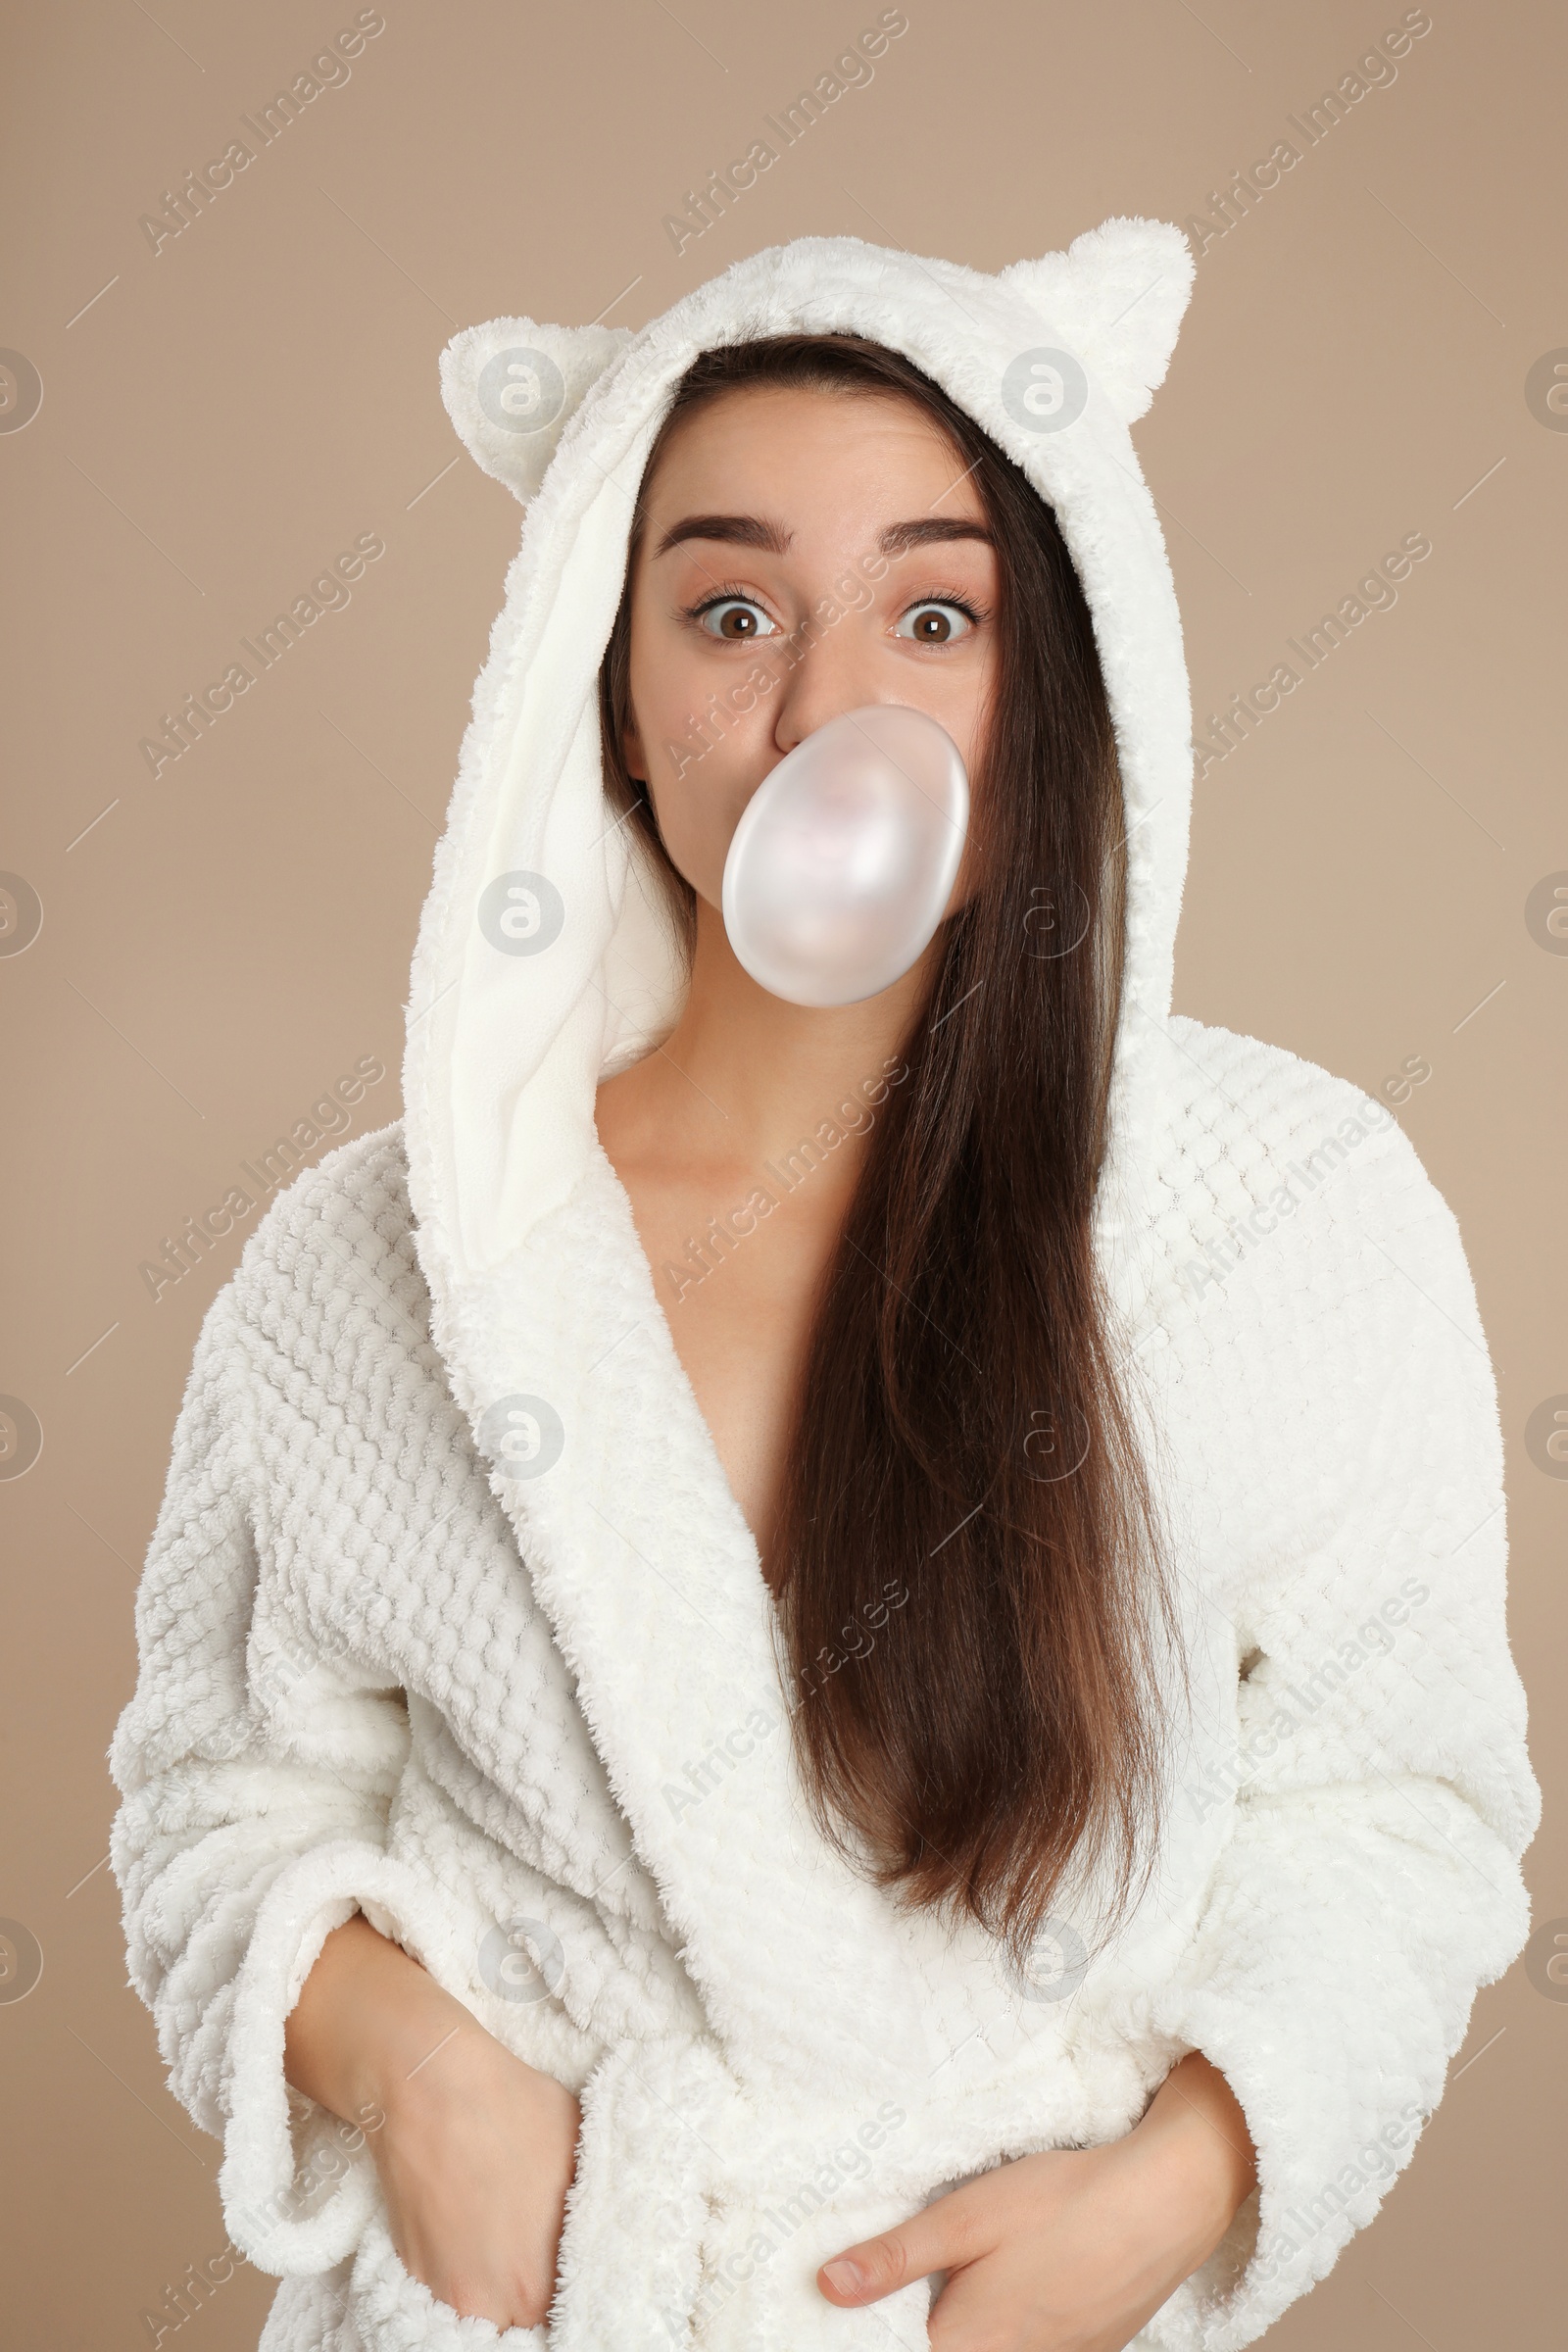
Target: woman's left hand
[[1072, 2250]]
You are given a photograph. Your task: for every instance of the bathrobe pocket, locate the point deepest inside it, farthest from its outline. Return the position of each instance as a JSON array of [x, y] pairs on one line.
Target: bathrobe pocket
[[389, 2309], [760, 2262]]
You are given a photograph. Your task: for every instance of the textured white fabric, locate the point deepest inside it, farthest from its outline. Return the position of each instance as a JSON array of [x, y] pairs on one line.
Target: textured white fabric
[[540, 1715]]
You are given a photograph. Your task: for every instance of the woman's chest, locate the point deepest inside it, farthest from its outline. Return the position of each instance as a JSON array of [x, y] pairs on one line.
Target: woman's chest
[[738, 1289]]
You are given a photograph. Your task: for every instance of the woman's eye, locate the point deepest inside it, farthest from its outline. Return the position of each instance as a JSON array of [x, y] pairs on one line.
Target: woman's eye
[[737, 618], [934, 623]]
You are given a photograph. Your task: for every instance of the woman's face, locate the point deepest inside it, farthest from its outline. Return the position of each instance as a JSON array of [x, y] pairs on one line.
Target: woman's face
[[804, 553]]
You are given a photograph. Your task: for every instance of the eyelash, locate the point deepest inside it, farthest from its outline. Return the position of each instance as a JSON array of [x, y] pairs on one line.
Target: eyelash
[[731, 593], [974, 614], [728, 594]]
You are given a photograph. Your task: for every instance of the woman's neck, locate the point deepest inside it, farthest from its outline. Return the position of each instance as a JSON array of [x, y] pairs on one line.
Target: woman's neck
[[743, 1076]]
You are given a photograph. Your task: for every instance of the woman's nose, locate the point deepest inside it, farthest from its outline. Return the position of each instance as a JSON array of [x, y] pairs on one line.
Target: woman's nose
[[833, 671]]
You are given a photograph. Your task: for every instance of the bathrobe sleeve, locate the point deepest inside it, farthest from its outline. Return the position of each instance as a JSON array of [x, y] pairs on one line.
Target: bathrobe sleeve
[[1382, 1793], [256, 1780]]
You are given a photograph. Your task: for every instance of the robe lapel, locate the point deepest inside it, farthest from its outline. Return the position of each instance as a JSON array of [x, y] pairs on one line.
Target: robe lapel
[[651, 1579]]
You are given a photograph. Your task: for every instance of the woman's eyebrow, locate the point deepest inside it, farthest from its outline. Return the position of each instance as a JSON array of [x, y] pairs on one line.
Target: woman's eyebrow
[[755, 530], [741, 530], [900, 537]]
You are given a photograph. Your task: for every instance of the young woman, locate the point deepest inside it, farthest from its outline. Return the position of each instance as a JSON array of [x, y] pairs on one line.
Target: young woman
[[798, 1658]]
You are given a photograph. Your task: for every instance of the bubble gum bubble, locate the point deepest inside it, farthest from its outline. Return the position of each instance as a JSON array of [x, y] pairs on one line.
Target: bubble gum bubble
[[846, 855]]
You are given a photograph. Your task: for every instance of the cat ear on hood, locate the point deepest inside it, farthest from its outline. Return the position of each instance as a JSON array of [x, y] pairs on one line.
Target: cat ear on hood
[[511, 387], [1118, 292]]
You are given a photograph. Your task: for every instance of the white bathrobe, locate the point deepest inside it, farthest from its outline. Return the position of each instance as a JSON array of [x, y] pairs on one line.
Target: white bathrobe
[[450, 1615]]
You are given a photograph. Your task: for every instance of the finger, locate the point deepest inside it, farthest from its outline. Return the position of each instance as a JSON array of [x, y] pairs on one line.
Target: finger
[[939, 2239]]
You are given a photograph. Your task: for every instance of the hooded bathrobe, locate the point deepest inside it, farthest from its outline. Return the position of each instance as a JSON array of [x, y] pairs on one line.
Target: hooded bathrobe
[[450, 1615]]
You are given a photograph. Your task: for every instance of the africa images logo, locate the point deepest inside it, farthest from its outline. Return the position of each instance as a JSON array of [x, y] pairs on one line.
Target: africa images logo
[[522, 390], [1044, 390], [522, 1436]]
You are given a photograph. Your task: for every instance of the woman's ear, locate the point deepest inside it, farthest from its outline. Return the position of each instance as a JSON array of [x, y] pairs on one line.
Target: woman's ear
[[631, 751]]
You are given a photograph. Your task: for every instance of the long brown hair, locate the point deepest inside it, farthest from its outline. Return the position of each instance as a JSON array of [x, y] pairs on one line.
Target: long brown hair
[[972, 1580]]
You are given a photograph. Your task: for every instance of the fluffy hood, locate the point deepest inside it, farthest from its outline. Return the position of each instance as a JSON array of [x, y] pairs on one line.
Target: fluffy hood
[[545, 957]]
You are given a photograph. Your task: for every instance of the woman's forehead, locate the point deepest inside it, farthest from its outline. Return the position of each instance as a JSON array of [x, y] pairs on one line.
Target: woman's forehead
[[788, 436], [806, 468]]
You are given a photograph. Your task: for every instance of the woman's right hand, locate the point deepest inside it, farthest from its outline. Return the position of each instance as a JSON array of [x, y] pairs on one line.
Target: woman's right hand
[[475, 2158], [475, 2150]]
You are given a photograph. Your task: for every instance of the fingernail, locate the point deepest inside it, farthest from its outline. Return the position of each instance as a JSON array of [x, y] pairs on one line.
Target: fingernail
[[842, 2276]]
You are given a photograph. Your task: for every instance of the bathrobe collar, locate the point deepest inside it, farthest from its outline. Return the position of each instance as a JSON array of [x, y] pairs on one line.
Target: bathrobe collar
[[545, 960]]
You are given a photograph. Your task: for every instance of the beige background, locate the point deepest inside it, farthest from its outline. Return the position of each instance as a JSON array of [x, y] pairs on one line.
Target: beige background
[[221, 943]]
